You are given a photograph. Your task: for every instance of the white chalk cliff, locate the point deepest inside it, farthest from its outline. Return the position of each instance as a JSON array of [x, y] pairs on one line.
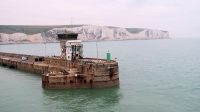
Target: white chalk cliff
[[20, 37], [88, 33]]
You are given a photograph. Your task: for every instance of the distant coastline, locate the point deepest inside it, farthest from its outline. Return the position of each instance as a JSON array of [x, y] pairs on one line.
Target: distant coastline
[[10, 34], [3, 43]]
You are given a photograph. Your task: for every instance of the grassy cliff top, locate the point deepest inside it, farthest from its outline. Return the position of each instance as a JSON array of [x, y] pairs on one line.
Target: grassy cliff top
[[30, 29], [34, 29]]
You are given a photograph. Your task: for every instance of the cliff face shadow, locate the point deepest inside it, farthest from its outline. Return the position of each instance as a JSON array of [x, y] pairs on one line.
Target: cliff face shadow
[[83, 99]]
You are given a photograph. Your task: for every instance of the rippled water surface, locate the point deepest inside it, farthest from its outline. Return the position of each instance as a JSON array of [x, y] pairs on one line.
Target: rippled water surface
[[155, 76]]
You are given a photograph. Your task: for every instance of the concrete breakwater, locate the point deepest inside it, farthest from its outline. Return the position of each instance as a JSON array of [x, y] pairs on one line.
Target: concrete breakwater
[[95, 73]]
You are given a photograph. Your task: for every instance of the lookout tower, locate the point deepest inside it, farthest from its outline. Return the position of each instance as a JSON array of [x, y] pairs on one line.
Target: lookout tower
[[71, 48]]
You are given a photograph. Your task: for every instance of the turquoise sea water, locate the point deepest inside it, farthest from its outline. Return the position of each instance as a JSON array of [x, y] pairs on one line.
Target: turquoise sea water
[[155, 76]]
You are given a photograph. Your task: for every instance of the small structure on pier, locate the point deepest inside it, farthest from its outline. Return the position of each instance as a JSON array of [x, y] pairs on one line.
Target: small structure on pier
[[71, 48]]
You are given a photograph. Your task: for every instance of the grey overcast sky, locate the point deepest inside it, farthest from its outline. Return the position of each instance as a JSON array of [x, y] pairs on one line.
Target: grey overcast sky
[[180, 17]]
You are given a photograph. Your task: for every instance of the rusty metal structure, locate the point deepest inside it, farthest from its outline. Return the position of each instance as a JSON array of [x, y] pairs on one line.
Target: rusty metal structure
[[70, 70]]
